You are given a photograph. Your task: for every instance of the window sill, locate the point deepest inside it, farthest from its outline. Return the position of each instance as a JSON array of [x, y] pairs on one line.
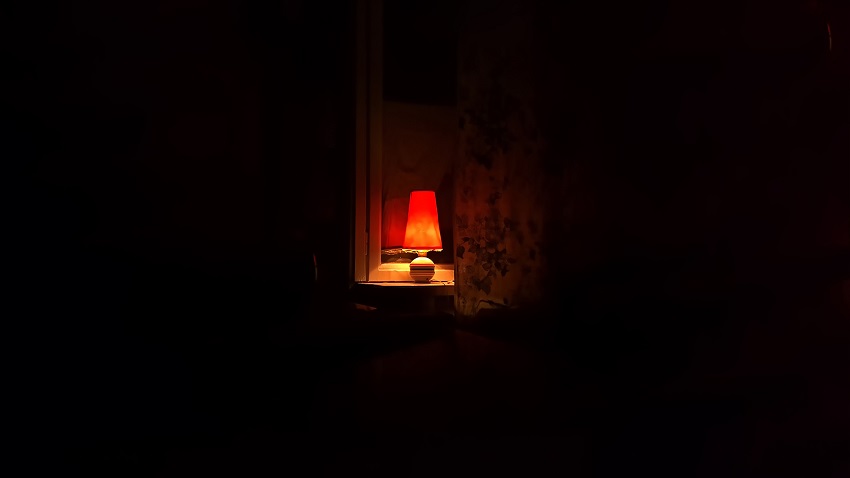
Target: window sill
[[396, 272], [444, 287], [405, 296]]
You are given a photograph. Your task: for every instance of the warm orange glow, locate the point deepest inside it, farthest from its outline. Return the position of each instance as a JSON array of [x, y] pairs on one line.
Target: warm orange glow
[[423, 228]]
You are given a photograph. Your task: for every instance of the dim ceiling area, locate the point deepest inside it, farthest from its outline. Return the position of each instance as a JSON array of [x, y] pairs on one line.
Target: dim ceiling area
[[658, 195]]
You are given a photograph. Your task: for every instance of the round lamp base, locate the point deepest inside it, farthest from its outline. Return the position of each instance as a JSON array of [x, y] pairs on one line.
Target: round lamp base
[[422, 269]]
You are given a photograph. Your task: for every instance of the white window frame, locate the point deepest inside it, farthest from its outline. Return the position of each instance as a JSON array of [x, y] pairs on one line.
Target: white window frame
[[368, 153]]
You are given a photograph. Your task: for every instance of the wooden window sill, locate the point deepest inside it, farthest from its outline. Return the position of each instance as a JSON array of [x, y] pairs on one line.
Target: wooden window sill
[[405, 296]]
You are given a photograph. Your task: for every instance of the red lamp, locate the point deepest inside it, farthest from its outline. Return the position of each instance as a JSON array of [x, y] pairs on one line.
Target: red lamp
[[422, 234]]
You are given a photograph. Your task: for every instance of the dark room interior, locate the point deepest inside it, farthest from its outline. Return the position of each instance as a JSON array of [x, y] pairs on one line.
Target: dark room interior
[[644, 221]]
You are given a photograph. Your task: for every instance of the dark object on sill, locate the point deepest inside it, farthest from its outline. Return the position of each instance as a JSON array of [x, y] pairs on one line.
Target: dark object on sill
[[315, 269]]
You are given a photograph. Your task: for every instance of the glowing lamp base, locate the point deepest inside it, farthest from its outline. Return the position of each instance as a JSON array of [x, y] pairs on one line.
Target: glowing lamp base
[[422, 269]]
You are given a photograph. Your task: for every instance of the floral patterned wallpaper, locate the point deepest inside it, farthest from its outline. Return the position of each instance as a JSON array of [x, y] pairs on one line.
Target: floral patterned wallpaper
[[498, 189]]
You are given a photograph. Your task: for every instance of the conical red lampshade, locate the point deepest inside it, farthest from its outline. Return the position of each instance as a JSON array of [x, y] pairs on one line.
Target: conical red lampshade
[[423, 227]]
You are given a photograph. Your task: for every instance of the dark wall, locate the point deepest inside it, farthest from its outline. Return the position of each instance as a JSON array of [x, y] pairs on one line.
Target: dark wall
[[420, 52], [660, 194], [618, 139], [204, 134], [714, 128], [170, 169]]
